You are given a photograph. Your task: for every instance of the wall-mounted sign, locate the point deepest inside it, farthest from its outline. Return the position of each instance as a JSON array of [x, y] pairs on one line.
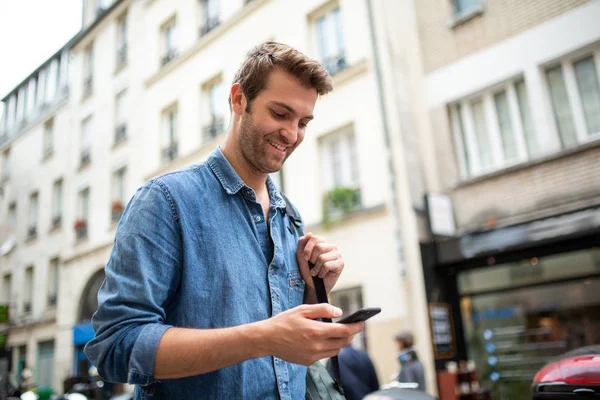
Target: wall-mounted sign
[[441, 214], [442, 330]]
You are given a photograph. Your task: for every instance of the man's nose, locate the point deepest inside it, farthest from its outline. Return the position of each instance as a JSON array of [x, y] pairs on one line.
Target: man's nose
[[289, 133]]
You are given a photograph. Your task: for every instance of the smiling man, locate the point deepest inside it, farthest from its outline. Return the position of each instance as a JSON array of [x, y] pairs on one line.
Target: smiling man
[[205, 285]]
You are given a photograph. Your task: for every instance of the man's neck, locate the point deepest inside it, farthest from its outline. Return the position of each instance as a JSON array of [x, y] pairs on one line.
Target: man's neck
[[253, 179]]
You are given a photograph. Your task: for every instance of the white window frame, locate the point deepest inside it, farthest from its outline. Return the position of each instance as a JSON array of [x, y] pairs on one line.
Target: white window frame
[[573, 96], [346, 138], [28, 282], [168, 38], [332, 17], [88, 61], [34, 209], [6, 295], [5, 165], [83, 206], [86, 134], [121, 108], [119, 182], [170, 126], [53, 273], [48, 137], [465, 139]]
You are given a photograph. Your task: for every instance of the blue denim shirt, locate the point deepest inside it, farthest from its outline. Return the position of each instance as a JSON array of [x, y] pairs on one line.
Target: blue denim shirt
[[193, 249]]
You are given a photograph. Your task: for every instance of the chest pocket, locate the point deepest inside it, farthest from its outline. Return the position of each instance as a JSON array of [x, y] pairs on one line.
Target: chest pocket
[[295, 289]]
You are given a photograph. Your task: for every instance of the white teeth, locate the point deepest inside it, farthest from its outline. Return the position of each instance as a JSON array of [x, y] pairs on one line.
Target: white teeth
[[280, 148]]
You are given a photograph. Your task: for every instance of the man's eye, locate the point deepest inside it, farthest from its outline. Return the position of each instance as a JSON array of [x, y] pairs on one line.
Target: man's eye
[[277, 115], [302, 125]]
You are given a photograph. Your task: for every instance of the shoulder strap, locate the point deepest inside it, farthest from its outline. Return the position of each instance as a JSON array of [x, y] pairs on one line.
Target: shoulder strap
[[296, 221]]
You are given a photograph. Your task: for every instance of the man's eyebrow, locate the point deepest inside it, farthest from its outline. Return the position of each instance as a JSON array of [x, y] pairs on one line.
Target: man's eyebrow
[[290, 109]]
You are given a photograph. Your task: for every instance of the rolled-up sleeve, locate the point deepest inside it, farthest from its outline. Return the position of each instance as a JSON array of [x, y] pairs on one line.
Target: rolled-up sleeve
[[142, 275]]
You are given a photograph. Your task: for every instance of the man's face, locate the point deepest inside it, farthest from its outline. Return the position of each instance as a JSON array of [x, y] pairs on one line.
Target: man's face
[[274, 124]]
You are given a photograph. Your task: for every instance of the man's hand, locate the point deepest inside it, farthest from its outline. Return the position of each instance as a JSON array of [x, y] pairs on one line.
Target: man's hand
[[294, 337], [327, 260]]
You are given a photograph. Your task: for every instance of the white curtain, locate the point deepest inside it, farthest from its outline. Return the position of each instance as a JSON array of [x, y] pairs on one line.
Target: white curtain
[[587, 80], [562, 107], [481, 134]]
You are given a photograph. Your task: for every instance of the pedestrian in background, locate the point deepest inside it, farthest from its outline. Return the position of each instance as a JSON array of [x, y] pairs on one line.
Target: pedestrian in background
[[411, 369], [358, 372]]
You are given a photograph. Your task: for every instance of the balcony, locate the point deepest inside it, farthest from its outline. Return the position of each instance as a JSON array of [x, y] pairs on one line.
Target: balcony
[[169, 153], [85, 158], [122, 56], [120, 133], [340, 202], [80, 227], [88, 85], [335, 64], [209, 25], [170, 55], [214, 129], [116, 210]]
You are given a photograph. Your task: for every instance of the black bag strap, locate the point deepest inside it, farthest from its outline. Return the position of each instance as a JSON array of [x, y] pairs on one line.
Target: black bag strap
[[319, 288]]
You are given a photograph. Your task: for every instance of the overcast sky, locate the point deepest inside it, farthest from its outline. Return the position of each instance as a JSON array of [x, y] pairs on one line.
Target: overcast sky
[[30, 32]]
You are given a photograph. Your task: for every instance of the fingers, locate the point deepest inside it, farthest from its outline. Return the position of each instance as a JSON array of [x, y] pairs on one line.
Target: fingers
[[323, 310], [325, 256], [308, 250]]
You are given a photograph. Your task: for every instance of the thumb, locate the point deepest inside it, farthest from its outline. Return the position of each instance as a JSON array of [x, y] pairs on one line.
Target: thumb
[[322, 310]]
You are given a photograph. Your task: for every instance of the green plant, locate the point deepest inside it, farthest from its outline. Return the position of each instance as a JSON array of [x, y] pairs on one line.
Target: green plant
[[340, 201]]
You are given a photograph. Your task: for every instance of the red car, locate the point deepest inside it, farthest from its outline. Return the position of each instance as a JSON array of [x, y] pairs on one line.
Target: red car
[[572, 377]]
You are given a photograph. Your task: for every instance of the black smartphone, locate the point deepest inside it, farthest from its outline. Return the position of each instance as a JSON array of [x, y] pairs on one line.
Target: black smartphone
[[361, 315]]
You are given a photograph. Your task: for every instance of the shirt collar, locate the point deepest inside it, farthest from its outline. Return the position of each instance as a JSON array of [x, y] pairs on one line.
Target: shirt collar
[[231, 181]]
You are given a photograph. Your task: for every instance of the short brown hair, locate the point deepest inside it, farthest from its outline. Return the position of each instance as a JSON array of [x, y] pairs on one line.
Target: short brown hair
[[262, 59], [406, 338]]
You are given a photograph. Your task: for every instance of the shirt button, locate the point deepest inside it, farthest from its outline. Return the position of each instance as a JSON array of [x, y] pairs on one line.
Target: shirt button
[[284, 385], [257, 218]]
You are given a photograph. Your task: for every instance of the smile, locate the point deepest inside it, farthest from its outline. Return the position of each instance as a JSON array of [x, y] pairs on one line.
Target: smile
[[278, 147]]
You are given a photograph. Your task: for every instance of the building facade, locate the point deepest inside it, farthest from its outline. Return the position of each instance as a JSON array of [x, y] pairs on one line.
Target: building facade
[[513, 103]]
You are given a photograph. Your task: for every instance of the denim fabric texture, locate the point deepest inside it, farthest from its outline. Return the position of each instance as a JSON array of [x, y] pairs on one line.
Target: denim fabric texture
[[193, 250]]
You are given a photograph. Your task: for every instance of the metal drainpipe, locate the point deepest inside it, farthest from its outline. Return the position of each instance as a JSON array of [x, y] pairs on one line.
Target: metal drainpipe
[[386, 136]]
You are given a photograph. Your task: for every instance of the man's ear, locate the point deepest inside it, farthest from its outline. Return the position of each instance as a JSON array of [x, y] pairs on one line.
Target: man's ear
[[238, 99]]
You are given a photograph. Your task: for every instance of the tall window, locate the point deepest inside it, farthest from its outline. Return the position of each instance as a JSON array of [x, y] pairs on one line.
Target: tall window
[[5, 295], [331, 41], [28, 290], [33, 215], [12, 216], [57, 200], [121, 116], [169, 41], [493, 130], [169, 127], [217, 110], [121, 41], [88, 70], [45, 367], [209, 15], [575, 93], [53, 282], [118, 193], [48, 137], [5, 165], [341, 180], [86, 141], [350, 300]]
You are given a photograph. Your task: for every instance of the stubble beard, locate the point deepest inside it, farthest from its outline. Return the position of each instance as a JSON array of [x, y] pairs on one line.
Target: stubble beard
[[252, 146]]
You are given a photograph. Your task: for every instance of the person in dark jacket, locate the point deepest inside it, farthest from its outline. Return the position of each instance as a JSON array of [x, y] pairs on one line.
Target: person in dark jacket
[[357, 371], [411, 369]]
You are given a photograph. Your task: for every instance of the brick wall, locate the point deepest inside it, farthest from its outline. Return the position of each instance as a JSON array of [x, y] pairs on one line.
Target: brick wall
[[534, 191], [442, 44]]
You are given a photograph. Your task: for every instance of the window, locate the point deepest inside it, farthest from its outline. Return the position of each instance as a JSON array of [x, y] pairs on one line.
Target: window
[[331, 43], [88, 70], [169, 127], [121, 41], [57, 199], [575, 93], [5, 165], [493, 130], [350, 300], [33, 215], [53, 282], [209, 15], [169, 44], [48, 137], [102, 5], [12, 216], [45, 363], [342, 190], [217, 109], [83, 209], [464, 6], [118, 194], [28, 290], [121, 116], [86, 139]]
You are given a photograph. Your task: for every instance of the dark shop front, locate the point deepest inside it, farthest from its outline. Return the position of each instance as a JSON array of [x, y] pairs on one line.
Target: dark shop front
[[513, 298]]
